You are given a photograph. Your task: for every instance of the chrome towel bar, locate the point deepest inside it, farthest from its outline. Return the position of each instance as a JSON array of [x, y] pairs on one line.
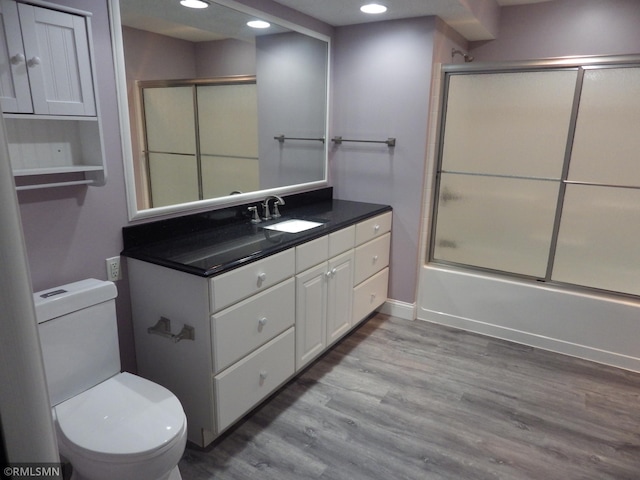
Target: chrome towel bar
[[391, 142], [282, 138]]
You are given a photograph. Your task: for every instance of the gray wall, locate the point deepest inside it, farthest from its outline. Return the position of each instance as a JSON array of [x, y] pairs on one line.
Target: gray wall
[[292, 100], [381, 89], [564, 27]]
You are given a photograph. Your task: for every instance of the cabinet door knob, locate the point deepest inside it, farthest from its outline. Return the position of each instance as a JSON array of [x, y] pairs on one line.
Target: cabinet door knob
[[17, 59], [263, 375], [262, 322], [34, 61], [376, 228], [328, 274], [375, 258], [261, 277]]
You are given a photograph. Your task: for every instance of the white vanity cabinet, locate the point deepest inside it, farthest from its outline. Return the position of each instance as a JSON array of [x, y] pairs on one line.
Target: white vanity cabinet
[[47, 91], [323, 293], [243, 345], [371, 278], [252, 339], [254, 326]]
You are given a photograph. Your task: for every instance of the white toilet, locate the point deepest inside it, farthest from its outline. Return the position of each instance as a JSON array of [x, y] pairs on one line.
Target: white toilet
[[109, 425]]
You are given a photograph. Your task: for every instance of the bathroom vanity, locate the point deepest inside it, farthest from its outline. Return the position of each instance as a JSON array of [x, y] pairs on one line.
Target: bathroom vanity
[[225, 311]]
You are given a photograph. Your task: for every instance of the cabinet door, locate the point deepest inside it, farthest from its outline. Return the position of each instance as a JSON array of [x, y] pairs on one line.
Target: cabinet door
[[56, 47], [339, 296], [14, 82], [311, 314]]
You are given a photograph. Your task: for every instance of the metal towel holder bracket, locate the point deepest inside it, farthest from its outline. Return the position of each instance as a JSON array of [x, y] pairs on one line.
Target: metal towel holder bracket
[[163, 328]]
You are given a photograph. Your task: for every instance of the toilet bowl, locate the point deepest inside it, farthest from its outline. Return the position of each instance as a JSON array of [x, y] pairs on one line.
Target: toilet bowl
[[109, 425], [126, 428]]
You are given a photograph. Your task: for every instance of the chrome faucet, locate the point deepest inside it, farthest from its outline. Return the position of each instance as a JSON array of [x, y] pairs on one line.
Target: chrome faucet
[[266, 214]]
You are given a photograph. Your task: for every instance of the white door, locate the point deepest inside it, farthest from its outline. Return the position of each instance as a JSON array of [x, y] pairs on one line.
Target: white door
[[56, 47], [15, 96], [311, 314], [339, 296]]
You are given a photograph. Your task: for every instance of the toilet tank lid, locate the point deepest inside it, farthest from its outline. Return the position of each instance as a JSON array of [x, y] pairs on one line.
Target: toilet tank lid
[[57, 301]]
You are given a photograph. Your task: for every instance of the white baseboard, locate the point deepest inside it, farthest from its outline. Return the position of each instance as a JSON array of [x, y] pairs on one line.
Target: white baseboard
[[396, 308]]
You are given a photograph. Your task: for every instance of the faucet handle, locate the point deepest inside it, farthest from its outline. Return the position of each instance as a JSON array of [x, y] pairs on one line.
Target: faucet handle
[[266, 215], [254, 211], [276, 212]]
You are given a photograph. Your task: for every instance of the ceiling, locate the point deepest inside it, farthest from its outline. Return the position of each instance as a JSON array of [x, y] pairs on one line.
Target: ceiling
[[473, 19], [462, 15]]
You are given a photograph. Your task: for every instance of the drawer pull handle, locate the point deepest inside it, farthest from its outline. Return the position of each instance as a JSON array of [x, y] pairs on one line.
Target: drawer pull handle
[[375, 258], [261, 323], [163, 328], [263, 375], [376, 228], [373, 297], [261, 278]]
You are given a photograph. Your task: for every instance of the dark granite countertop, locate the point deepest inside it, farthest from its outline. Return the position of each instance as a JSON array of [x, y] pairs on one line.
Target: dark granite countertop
[[207, 245]]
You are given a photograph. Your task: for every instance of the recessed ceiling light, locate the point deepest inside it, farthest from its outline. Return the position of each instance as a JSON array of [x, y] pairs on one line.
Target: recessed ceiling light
[[194, 3], [373, 8], [258, 24]]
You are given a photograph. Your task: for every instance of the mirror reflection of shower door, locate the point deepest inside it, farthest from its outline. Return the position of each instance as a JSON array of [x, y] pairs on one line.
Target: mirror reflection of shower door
[[171, 153], [228, 138], [201, 139]]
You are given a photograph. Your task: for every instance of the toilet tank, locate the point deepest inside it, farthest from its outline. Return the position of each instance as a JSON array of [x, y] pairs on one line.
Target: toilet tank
[[78, 336]]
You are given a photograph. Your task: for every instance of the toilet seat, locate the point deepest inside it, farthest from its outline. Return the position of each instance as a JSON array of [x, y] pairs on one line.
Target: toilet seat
[[125, 416]]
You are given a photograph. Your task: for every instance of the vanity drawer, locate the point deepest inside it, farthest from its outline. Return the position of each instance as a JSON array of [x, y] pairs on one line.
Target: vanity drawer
[[242, 282], [372, 228], [371, 257], [312, 253], [369, 295], [245, 326], [341, 241], [242, 386]]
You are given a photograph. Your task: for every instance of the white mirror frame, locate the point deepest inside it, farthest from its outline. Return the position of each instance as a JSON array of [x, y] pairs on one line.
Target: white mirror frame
[[125, 126]]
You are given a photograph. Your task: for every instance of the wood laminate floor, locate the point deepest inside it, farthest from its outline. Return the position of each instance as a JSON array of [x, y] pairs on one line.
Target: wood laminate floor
[[414, 400]]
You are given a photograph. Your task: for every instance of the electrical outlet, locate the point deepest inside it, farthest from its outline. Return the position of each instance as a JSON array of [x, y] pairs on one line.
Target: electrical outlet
[[113, 269]]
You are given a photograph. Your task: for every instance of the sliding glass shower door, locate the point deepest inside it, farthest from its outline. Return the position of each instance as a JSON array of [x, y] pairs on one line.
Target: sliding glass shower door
[[538, 174]]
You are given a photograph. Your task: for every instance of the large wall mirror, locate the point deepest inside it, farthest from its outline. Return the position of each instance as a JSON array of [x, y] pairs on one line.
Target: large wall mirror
[[214, 112]]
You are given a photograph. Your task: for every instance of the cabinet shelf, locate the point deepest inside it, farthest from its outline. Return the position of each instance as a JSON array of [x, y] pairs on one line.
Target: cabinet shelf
[[57, 170], [32, 116]]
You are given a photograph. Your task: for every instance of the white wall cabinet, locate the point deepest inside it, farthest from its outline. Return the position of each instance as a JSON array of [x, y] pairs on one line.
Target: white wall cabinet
[[47, 94], [256, 325]]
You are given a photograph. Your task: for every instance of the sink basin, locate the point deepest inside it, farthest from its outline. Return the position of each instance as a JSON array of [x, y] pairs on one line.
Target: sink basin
[[293, 226]]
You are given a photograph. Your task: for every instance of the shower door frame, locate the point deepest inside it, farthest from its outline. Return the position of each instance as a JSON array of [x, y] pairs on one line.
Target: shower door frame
[[557, 64]]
